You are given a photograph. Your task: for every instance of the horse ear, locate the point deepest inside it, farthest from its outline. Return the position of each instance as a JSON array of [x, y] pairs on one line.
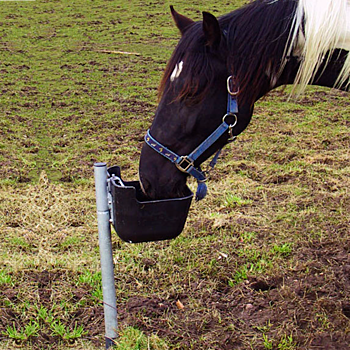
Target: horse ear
[[181, 21], [211, 30]]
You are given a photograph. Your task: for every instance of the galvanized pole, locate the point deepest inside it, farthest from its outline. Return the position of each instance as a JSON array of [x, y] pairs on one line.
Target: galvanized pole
[[106, 254]]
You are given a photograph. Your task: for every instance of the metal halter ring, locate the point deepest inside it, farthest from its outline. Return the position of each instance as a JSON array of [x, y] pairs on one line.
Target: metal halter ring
[[230, 115], [230, 126], [229, 81]]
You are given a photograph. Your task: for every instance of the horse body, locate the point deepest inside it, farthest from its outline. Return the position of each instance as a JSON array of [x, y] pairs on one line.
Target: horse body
[[263, 45]]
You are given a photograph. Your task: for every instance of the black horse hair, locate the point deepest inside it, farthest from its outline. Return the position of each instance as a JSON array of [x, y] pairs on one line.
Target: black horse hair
[[257, 37]]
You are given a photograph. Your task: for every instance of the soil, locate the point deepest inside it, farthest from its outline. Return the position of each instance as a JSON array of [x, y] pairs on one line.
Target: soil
[[303, 297], [250, 307]]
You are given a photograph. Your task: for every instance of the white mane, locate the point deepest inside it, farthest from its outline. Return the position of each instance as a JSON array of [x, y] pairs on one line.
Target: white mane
[[327, 27]]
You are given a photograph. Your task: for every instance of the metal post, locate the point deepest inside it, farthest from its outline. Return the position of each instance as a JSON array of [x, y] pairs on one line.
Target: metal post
[[106, 254]]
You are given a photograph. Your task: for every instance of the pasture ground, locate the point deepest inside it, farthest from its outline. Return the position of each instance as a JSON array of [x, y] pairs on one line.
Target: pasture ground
[[264, 260]]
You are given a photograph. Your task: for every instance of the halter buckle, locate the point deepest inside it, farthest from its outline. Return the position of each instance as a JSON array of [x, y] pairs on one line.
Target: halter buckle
[[184, 164]]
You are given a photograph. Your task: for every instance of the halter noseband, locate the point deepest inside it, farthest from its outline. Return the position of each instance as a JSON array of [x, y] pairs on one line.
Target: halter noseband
[[186, 163]]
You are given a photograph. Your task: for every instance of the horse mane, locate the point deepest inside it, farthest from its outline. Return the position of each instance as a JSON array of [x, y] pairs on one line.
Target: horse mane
[[261, 36], [325, 22], [258, 35]]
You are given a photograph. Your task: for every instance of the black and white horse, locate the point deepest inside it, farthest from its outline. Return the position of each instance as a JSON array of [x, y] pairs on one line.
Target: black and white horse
[[221, 67]]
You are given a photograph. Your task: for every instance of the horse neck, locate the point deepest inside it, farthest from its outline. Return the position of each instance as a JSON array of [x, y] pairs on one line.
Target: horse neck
[[327, 75]]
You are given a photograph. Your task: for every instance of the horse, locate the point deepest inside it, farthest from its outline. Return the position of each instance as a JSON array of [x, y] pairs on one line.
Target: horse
[[222, 66]]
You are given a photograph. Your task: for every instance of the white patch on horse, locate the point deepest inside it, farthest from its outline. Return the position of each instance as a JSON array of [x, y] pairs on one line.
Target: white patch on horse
[[344, 38], [327, 27], [177, 71], [269, 73]]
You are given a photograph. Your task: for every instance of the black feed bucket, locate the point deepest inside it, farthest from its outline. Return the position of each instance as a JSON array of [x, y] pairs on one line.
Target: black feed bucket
[[137, 220]]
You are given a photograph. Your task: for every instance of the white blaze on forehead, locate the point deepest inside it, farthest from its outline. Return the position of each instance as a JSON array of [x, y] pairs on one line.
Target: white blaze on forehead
[[177, 71]]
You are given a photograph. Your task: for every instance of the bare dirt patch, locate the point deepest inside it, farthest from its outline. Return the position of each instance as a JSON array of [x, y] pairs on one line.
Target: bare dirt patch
[[310, 303]]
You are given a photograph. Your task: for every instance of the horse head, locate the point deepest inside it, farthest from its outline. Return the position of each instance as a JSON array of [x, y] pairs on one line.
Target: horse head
[[291, 47], [192, 104]]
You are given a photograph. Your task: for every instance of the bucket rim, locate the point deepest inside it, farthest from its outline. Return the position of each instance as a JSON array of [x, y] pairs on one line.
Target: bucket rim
[[128, 186]]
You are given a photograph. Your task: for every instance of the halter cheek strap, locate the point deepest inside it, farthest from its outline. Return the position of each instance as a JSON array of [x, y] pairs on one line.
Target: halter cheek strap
[[186, 163]]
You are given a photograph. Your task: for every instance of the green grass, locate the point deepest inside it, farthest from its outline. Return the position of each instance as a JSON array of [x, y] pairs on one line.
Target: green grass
[[134, 339]]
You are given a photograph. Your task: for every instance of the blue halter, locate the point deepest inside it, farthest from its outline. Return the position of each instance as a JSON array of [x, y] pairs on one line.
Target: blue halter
[[186, 163]]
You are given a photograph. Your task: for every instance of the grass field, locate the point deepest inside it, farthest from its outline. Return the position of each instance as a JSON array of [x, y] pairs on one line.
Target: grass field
[[264, 260]]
